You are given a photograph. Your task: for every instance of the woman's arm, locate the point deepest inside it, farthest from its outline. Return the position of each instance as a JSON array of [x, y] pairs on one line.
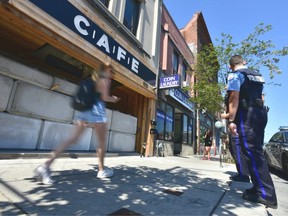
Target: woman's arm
[[103, 87]]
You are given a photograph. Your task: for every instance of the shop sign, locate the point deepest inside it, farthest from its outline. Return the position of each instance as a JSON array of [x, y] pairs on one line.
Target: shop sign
[[66, 13], [160, 115], [170, 81], [181, 97]]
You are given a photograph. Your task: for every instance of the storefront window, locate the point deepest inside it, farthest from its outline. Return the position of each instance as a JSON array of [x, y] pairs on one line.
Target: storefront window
[[165, 121], [169, 123], [131, 16], [190, 128], [160, 124], [187, 130], [185, 127]]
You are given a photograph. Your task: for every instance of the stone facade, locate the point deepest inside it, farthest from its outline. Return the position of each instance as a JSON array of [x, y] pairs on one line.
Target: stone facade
[[33, 117]]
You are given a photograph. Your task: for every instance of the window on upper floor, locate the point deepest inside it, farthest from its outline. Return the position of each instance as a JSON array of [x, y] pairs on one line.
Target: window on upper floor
[[183, 72], [175, 62], [105, 2], [131, 15]]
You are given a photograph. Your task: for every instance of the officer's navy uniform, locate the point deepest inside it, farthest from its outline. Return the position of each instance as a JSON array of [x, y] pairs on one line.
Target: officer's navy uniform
[[251, 119], [237, 154], [239, 158]]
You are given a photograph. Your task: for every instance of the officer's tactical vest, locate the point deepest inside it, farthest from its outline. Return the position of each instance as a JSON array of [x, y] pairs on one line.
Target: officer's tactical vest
[[251, 89]]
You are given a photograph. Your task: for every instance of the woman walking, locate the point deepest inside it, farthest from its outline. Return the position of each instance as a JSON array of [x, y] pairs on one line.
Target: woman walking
[[95, 118]]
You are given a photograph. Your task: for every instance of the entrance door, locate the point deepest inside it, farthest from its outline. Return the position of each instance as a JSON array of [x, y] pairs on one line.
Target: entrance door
[[177, 133]]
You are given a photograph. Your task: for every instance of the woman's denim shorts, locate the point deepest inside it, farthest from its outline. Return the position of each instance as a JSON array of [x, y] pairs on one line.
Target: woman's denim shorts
[[96, 115]]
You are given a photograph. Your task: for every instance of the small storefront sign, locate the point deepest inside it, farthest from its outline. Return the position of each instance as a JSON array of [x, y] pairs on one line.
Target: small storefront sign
[[170, 81], [181, 97]]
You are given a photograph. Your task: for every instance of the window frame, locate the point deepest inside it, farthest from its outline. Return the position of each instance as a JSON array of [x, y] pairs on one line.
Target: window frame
[[184, 71], [276, 137], [105, 3], [285, 135], [175, 62], [134, 14], [188, 138], [162, 109]]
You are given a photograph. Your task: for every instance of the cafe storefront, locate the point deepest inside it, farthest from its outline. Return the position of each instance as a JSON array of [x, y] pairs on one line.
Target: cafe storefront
[[48, 46]]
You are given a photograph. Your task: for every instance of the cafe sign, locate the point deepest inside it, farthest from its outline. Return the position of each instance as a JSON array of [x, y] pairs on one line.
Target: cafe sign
[[66, 13]]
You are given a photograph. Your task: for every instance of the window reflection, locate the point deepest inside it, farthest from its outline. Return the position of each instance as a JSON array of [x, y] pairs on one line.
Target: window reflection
[[185, 127], [131, 15], [165, 121], [175, 62]]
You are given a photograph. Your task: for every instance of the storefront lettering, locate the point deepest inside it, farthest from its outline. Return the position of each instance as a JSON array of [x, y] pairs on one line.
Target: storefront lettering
[[79, 23], [160, 115], [181, 97], [83, 27], [170, 81]]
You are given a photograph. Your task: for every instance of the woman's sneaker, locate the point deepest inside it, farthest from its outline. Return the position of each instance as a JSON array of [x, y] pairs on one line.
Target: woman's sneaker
[[42, 174], [106, 173]]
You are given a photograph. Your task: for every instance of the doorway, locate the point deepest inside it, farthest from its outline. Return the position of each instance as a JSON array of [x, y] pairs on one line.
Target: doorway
[[178, 122]]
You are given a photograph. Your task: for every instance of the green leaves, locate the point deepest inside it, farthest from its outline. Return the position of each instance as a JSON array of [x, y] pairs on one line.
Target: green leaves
[[206, 88], [258, 52], [212, 65]]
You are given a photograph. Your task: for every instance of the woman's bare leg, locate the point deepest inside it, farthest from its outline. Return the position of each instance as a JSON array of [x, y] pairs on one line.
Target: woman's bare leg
[[101, 131], [208, 152], [56, 153]]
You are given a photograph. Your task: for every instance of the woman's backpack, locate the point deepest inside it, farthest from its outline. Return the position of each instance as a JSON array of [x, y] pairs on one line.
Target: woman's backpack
[[85, 96]]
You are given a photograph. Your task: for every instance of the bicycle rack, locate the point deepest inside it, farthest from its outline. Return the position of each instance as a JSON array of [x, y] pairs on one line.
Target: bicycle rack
[[143, 150], [160, 147]]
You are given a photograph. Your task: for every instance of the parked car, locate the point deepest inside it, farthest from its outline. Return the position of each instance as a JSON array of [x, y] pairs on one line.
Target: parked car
[[276, 150]]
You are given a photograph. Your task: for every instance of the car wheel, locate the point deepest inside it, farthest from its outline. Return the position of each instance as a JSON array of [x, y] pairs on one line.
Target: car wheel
[[285, 165]]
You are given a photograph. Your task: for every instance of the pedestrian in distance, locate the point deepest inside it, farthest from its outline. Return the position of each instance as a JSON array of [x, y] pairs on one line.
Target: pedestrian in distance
[[207, 144], [247, 120], [95, 118]]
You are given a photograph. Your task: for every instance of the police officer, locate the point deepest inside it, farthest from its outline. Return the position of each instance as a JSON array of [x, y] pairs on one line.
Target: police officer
[[247, 120]]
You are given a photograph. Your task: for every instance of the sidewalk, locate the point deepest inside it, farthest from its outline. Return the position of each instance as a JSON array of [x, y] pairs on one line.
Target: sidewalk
[[141, 186]]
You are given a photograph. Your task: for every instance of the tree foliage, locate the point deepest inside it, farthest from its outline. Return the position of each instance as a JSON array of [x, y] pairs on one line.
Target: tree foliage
[[257, 52], [213, 63], [207, 89]]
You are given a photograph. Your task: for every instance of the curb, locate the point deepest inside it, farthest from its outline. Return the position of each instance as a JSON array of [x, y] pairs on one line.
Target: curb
[[6, 155]]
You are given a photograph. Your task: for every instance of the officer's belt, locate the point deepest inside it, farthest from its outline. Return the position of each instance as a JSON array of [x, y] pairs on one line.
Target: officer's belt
[[257, 103]]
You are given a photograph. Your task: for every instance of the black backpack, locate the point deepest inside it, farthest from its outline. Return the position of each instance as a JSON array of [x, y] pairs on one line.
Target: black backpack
[[85, 96]]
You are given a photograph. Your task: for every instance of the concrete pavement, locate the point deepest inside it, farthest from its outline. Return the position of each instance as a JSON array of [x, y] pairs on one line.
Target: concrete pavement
[[141, 186]]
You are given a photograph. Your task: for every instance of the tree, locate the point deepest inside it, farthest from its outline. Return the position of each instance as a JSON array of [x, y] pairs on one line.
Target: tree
[[212, 66], [207, 89]]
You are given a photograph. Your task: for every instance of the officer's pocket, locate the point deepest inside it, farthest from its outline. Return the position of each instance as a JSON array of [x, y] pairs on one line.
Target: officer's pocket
[[249, 134]]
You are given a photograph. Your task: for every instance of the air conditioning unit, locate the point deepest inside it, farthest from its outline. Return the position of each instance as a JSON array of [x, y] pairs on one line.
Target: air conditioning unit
[[185, 84]]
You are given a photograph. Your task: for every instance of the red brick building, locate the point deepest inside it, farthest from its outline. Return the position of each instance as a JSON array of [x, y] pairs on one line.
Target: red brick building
[[197, 36]]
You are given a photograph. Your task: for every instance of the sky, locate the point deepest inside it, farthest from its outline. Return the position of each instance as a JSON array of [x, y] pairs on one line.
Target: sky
[[239, 19]]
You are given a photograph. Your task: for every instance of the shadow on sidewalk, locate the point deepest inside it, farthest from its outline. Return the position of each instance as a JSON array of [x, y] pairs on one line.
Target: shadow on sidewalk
[[142, 190]]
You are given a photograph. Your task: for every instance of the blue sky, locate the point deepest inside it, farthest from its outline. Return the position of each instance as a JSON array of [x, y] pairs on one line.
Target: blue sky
[[239, 18]]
